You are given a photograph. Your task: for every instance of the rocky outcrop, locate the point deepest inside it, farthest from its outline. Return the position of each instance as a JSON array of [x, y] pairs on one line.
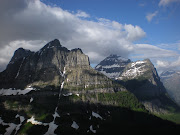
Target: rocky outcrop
[[112, 66]]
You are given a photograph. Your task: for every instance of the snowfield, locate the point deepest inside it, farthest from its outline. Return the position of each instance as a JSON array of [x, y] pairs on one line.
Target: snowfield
[[74, 125], [10, 91]]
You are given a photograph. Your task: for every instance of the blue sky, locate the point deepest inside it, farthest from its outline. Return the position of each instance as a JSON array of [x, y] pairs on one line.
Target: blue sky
[[137, 29], [164, 28]]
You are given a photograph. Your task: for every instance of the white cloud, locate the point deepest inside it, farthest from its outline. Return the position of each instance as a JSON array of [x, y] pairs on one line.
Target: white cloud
[[31, 24], [23, 22], [163, 65], [82, 14], [150, 16], [165, 3], [134, 32], [151, 51]]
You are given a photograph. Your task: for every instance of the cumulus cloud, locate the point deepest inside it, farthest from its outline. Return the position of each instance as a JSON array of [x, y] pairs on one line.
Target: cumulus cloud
[[150, 16], [165, 3], [23, 23], [31, 24], [134, 32], [82, 14], [163, 65], [151, 51]]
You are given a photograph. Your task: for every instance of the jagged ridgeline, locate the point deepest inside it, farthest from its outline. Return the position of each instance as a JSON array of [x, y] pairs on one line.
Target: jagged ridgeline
[[43, 69], [55, 91], [112, 66]]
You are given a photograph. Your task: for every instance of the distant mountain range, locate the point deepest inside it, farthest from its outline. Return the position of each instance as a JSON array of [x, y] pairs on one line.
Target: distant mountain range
[[171, 81], [112, 66], [55, 91], [141, 78]]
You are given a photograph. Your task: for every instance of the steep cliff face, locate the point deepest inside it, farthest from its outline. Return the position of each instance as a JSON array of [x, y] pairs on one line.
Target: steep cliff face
[[141, 78], [44, 69], [112, 66], [145, 78]]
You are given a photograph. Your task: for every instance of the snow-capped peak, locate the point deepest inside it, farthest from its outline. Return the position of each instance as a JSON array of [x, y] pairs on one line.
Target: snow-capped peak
[[112, 66]]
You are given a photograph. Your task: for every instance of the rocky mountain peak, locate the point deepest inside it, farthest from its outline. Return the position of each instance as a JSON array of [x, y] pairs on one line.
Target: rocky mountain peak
[[77, 50], [142, 79], [116, 57], [46, 67], [167, 74], [20, 53], [112, 66], [55, 42], [138, 69], [53, 45]]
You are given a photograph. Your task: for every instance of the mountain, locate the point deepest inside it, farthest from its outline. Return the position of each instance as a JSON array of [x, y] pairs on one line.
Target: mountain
[[55, 91], [45, 68], [171, 81], [142, 79], [112, 66]]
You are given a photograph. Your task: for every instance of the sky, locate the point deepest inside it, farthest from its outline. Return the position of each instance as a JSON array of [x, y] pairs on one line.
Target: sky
[[135, 29]]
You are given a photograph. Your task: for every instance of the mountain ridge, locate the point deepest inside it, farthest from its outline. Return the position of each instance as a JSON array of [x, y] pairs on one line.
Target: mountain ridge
[[43, 67], [112, 66], [170, 79], [63, 94]]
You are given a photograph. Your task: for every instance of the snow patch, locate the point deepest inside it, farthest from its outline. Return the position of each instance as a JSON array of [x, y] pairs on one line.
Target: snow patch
[[86, 86], [111, 75], [31, 99], [74, 125], [10, 129], [51, 129], [20, 68], [12, 126], [96, 115], [92, 130], [62, 85], [77, 94], [10, 91], [33, 121], [56, 115], [68, 94], [112, 66], [136, 69], [21, 121], [68, 80]]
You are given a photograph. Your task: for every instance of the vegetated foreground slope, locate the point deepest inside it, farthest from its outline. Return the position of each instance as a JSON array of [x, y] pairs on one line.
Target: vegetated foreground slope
[[100, 113]]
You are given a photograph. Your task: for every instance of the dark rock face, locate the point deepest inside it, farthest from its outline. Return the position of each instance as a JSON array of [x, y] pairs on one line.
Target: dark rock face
[[143, 71], [112, 66], [142, 79], [44, 68], [171, 81]]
